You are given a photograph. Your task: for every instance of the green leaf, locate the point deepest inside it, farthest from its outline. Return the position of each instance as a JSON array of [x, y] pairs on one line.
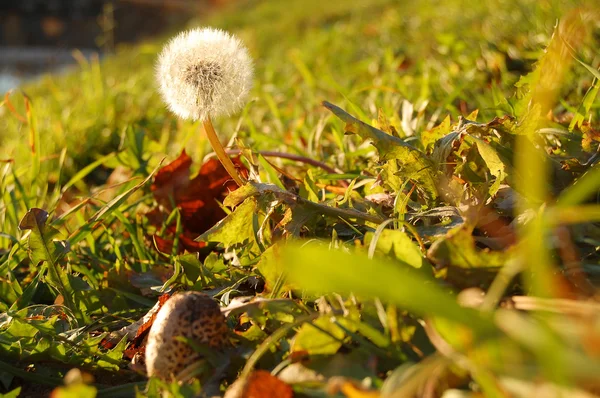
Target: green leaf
[[297, 217], [114, 357], [374, 335], [214, 263], [319, 269], [443, 147], [235, 228], [77, 390], [294, 202], [12, 394], [413, 163], [458, 249], [272, 269], [321, 337], [384, 142], [590, 97], [431, 136], [10, 290], [20, 329], [250, 189], [192, 267], [493, 162], [43, 248], [312, 191], [398, 245], [26, 297]]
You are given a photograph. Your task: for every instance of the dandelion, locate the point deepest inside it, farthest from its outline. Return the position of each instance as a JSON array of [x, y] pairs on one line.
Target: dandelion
[[204, 74]]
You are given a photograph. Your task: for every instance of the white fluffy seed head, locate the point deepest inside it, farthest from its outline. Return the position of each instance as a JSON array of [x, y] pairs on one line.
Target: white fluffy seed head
[[204, 73]]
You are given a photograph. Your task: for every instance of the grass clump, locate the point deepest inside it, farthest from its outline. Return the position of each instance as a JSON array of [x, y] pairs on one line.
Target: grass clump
[[420, 216]]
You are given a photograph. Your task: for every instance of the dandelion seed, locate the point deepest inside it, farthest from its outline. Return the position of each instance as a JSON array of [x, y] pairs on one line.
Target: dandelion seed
[[202, 74]]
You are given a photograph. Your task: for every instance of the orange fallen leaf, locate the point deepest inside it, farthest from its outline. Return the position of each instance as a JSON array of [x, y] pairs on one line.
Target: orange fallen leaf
[[262, 384]]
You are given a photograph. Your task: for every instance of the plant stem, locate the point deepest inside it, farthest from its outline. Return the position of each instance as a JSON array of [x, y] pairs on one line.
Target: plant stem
[[337, 212], [291, 156], [220, 151], [560, 306]]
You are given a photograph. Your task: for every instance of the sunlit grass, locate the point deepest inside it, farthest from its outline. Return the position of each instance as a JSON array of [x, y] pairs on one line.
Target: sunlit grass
[[429, 195]]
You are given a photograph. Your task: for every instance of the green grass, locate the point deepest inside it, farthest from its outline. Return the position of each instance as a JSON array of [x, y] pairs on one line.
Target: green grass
[[506, 206]]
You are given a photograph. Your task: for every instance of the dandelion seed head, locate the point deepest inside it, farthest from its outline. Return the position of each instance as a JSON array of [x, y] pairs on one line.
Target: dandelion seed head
[[204, 73]]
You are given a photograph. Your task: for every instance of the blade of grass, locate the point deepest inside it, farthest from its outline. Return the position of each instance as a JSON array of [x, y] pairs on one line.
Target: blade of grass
[[581, 189], [108, 209], [87, 170], [319, 270]]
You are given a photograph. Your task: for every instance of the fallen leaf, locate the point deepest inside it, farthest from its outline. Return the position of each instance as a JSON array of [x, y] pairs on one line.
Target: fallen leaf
[[148, 323], [260, 384], [136, 332], [197, 200]]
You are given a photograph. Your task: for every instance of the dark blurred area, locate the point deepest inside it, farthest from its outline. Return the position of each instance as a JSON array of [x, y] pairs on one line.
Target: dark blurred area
[[83, 23], [40, 35]]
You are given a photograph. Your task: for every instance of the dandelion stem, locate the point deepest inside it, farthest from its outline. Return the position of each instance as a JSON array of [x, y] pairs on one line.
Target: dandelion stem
[[220, 151]]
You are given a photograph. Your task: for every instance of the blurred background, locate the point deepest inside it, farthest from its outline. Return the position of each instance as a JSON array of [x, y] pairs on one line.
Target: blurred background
[[415, 61], [38, 36]]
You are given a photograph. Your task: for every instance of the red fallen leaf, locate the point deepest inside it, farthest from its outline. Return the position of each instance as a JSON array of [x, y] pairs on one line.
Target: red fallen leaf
[[185, 243], [156, 217], [137, 345], [190, 244], [196, 198], [132, 351], [262, 384], [146, 325], [163, 245], [107, 345], [172, 178]]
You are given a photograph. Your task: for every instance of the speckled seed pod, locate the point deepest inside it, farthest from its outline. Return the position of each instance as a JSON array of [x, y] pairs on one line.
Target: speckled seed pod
[[193, 315]]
